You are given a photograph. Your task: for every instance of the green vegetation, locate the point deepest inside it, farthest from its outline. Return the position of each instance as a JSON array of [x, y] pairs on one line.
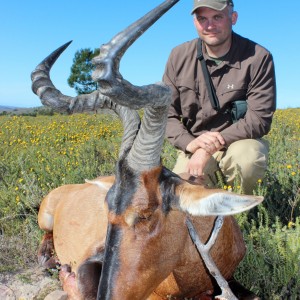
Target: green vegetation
[[42, 152], [81, 71]]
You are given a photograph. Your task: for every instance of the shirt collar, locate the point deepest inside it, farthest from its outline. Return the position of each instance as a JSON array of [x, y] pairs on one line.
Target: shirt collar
[[230, 58]]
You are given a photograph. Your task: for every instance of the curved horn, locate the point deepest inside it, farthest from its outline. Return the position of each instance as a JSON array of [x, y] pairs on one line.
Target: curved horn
[[111, 82], [155, 98], [49, 95], [114, 50], [43, 87], [145, 153]]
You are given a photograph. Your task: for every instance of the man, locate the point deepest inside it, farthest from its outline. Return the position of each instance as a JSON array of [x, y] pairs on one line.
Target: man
[[207, 138]]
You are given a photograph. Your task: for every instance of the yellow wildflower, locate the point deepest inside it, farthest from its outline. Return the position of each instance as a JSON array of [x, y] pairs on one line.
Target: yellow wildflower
[[291, 224]]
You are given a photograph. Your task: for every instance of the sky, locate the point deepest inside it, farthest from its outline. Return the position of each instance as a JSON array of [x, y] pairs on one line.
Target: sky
[[31, 30]]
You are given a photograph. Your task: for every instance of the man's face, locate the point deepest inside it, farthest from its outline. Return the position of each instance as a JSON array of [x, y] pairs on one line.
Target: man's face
[[214, 27]]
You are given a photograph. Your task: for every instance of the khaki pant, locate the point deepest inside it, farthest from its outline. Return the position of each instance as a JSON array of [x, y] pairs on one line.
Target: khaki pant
[[245, 160]]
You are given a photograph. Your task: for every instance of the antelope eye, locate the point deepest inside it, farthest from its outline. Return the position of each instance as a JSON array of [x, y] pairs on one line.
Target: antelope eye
[[145, 215], [146, 221], [133, 218]]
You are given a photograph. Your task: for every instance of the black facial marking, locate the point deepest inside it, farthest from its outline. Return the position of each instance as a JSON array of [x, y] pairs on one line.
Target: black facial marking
[[168, 182], [111, 262], [120, 195], [88, 275]]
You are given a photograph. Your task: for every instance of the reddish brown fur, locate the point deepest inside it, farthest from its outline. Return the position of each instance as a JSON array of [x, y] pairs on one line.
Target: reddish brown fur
[[187, 266], [79, 220], [155, 255]]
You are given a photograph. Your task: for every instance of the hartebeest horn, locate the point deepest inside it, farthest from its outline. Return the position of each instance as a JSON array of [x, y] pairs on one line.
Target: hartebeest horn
[[43, 87], [51, 96], [155, 98], [107, 73], [112, 52], [145, 153]]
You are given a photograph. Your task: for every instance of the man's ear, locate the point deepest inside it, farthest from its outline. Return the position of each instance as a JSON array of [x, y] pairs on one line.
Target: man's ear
[[234, 17], [200, 201]]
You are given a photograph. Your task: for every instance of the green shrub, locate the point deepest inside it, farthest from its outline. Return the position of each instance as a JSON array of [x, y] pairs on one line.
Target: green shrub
[[271, 267]]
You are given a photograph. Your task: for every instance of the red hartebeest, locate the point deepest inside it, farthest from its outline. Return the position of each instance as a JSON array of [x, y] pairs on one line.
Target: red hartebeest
[[124, 237]]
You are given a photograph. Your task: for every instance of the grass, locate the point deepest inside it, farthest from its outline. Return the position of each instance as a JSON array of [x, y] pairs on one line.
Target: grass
[[42, 152]]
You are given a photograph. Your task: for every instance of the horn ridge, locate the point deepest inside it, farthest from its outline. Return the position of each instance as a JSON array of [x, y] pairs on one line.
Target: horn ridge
[[146, 150]]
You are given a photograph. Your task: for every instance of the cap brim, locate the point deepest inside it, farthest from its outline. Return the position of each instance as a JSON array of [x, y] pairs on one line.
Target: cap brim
[[215, 7]]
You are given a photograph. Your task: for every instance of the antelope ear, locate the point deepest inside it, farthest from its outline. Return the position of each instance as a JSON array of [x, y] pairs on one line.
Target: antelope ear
[[199, 201]]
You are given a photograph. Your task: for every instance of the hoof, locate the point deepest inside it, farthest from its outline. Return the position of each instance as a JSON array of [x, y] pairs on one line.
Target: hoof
[[48, 263], [46, 257]]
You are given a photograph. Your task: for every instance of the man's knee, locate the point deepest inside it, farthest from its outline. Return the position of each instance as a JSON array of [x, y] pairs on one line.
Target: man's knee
[[247, 159], [247, 154]]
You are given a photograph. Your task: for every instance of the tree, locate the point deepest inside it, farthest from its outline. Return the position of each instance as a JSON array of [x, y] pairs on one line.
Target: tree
[[81, 71]]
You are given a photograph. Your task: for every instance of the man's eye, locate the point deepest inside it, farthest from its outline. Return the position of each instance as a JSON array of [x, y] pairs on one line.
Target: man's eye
[[218, 18], [201, 19]]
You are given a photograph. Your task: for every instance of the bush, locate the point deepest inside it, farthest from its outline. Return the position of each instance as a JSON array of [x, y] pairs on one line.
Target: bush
[[271, 267]]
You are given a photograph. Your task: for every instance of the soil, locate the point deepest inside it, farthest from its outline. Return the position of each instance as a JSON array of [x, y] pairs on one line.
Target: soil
[[34, 283]]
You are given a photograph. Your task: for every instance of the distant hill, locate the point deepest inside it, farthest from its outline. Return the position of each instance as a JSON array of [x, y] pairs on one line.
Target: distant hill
[[6, 108], [12, 110], [40, 110]]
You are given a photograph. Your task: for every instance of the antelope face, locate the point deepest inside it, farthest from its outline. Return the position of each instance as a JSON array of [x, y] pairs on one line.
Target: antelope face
[[146, 233], [139, 238]]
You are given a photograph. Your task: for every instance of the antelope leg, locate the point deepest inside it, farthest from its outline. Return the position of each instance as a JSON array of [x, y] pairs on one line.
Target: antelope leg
[[210, 264]]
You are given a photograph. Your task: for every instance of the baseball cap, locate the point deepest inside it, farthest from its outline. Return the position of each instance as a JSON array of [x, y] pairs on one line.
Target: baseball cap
[[214, 4]]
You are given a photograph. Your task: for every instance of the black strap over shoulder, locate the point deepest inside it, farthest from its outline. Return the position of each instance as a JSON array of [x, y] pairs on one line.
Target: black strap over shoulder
[[211, 89]]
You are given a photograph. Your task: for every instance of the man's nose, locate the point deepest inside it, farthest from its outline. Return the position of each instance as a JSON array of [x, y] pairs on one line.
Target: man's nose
[[211, 23]]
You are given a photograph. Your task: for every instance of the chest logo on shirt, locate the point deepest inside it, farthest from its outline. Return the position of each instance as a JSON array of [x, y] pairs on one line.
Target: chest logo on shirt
[[230, 86]]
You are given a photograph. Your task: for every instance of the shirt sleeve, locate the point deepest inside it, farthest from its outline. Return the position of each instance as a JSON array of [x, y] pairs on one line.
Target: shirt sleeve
[[261, 102], [176, 132]]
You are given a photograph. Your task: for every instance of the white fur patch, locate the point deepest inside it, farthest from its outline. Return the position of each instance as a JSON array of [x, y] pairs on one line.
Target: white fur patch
[[221, 204], [46, 221], [103, 185]]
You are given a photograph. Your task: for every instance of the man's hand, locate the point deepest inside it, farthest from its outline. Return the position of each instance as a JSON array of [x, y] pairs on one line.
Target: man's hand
[[209, 141], [198, 162]]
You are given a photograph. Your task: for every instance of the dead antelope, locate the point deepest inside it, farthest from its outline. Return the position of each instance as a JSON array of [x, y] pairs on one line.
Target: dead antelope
[[125, 237]]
